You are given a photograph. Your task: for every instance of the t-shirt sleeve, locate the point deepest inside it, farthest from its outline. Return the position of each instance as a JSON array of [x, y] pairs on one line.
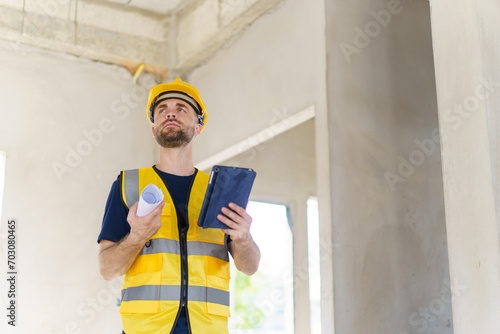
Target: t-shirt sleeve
[[114, 223]]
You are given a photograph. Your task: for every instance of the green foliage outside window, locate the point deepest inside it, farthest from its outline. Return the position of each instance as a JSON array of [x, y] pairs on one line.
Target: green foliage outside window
[[248, 314]]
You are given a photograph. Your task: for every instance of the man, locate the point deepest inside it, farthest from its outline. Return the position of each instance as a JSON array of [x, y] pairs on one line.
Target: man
[[176, 273]]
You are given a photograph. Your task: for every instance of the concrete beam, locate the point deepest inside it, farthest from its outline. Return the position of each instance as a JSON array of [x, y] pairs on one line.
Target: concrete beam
[[204, 29], [115, 33], [123, 20], [86, 30], [258, 139]]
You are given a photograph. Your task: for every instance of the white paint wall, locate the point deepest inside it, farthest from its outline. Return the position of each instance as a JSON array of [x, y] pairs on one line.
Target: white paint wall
[[48, 103]]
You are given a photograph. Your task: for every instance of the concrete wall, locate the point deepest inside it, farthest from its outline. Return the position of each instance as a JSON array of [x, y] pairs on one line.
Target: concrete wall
[[491, 52], [468, 78], [389, 239], [390, 250], [285, 166], [68, 126], [271, 72], [286, 174], [92, 29], [207, 25]]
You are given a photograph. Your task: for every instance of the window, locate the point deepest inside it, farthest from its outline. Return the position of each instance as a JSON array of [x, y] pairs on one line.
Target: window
[[263, 302]]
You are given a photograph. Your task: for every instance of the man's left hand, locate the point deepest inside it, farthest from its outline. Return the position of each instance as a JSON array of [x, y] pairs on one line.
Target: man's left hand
[[245, 252], [238, 221]]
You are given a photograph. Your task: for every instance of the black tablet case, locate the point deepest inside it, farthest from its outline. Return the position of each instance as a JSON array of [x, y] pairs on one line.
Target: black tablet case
[[227, 184]]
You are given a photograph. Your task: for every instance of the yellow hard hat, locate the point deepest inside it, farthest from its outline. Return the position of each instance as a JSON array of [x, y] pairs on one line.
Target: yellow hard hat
[[177, 90]]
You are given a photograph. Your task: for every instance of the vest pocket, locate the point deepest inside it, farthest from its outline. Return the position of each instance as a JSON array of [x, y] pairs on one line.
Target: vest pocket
[[217, 287], [217, 299], [147, 263], [212, 235], [143, 280], [166, 221]]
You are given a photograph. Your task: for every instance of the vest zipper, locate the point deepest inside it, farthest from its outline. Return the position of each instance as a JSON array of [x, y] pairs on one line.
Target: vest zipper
[[184, 260], [184, 275], [184, 267], [183, 249]]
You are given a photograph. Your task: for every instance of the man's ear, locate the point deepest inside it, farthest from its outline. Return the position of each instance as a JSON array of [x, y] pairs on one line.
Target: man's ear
[[153, 130], [197, 129]]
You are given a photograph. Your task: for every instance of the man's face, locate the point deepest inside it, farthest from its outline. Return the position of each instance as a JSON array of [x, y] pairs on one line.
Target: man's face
[[175, 123]]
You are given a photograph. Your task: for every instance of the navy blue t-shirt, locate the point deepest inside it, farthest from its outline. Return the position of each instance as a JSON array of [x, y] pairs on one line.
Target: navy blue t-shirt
[[115, 226]]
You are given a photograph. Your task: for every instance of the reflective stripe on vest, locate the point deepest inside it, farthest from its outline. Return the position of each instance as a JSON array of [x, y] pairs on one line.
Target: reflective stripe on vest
[[172, 292], [131, 186], [162, 245]]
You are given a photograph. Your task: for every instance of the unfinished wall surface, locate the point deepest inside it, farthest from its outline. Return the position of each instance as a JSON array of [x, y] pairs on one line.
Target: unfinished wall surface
[[286, 174], [270, 73], [468, 81], [68, 126], [372, 151], [491, 53], [92, 29], [285, 166], [390, 251], [169, 37], [206, 26]]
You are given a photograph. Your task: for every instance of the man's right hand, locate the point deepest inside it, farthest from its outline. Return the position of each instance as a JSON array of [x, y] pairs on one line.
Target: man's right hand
[[115, 258], [143, 228]]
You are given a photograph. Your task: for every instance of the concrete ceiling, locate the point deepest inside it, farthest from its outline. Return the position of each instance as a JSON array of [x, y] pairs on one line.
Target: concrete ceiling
[[163, 7], [170, 37]]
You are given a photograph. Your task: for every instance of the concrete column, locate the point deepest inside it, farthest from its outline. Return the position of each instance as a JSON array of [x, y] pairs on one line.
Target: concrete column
[[465, 39], [324, 190], [298, 217], [388, 250]]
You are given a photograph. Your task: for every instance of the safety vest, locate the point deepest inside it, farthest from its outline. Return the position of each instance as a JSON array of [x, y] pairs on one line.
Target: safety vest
[[176, 268]]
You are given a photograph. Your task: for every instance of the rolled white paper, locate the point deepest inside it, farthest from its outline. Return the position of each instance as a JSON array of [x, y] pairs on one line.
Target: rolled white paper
[[151, 197]]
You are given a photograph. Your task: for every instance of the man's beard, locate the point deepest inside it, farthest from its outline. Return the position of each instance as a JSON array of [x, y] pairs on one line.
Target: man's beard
[[174, 137]]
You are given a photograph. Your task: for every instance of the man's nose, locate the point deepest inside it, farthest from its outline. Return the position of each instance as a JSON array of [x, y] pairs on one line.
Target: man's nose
[[171, 113]]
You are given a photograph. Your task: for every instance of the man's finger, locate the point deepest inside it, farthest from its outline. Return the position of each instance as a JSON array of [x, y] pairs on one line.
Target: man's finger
[[132, 212], [230, 223], [157, 211], [232, 215], [241, 211], [228, 231]]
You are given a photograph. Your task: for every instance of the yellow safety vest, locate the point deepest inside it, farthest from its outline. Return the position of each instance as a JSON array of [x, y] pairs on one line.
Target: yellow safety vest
[[176, 268]]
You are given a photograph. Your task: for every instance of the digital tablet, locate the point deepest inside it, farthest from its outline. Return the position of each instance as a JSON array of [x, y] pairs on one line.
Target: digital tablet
[[227, 184]]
